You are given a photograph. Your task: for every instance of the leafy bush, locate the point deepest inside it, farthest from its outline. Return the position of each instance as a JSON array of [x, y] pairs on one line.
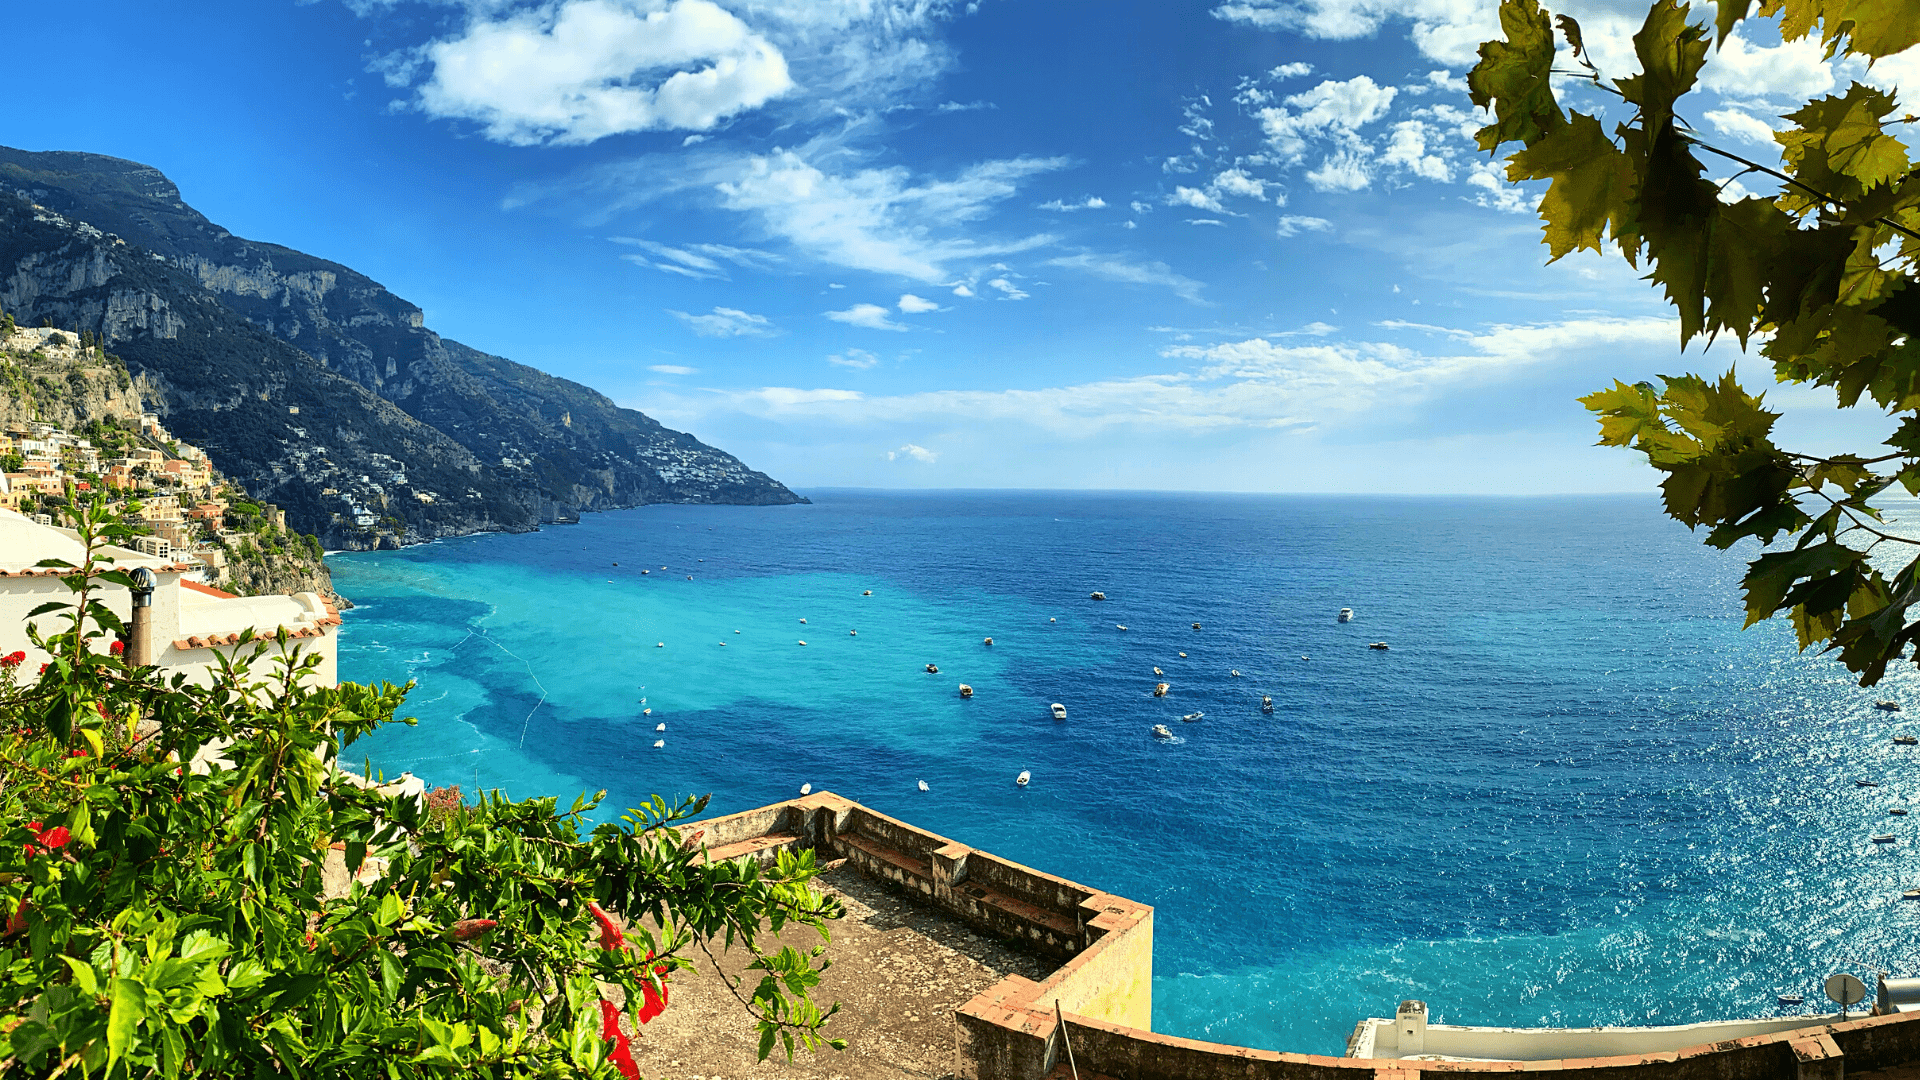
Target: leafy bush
[[161, 878]]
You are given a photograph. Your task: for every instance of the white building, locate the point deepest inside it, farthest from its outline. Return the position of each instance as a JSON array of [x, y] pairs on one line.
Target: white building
[[190, 621]]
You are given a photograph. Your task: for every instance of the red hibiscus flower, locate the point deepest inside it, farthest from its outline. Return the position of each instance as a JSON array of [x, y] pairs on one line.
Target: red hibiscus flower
[[118, 647], [622, 1054], [47, 839]]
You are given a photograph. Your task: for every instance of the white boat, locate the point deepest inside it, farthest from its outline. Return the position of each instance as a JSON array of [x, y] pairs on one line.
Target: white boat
[[1866, 783], [1159, 689], [1889, 706], [1883, 838], [1196, 626], [658, 743], [1381, 645], [1023, 778], [868, 592], [803, 620], [989, 641], [1910, 894], [1059, 711], [853, 633], [646, 712], [933, 669], [806, 789], [1183, 656], [803, 643], [1346, 614], [965, 690], [924, 787], [1160, 732], [1118, 626], [659, 727], [1906, 740], [1157, 671], [1898, 811], [1099, 596], [1192, 716], [1235, 672], [1266, 703]]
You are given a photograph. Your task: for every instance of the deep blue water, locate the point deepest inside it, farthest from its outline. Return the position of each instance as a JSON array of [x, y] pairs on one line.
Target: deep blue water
[[1573, 792]]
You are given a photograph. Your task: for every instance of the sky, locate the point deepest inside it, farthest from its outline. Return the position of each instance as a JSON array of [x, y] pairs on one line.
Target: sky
[[1241, 245]]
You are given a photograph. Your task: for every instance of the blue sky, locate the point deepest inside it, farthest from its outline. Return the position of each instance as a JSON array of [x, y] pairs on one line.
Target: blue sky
[[1241, 245]]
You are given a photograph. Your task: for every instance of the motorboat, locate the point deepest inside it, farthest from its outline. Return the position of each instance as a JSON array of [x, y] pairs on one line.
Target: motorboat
[[869, 592], [1346, 614], [1910, 894], [1192, 716], [659, 644], [1266, 703], [803, 621], [806, 789], [1099, 596], [924, 787], [646, 712], [1196, 626], [989, 641], [1235, 672], [803, 643], [659, 743], [1183, 656], [1381, 645], [853, 633], [1023, 778], [1119, 626], [1906, 740], [1160, 732], [659, 727], [1883, 838], [1898, 811], [1059, 711], [1866, 783], [933, 669], [965, 690], [1157, 671], [1159, 689], [1887, 706], [1791, 999]]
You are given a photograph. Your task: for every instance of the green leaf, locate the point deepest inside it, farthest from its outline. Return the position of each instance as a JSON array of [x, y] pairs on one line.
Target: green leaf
[[129, 1007], [1729, 13], [51, 605], [1513, 78], [391, 976], [1771, 576], [768, 1032], [1592, 184]]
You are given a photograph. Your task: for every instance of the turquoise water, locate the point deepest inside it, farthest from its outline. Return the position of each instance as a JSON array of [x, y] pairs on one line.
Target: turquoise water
[[1573, 792]]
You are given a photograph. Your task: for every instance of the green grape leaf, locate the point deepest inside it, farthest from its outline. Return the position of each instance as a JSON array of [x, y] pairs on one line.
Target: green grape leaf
[[1592, 183], [1513, 78], [1771, 576]]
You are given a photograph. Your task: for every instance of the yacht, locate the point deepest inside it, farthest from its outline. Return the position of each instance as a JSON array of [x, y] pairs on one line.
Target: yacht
[[1192, 716], [1888, 706], [1023, 778], [933, 669], [1346, 614], [965, 690], [1883, 838], [1059, 711], [1160, 732], [1159, 689], [1906, 740], [1266, 703], [1381, 645]]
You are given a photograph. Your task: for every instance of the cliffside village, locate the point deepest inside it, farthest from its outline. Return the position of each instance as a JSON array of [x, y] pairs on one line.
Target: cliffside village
[[166, 488]]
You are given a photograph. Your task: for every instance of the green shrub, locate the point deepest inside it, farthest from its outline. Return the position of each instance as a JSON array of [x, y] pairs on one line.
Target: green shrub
[[164, 920]]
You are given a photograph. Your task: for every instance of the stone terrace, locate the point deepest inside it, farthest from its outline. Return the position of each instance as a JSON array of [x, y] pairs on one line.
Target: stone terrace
[[900, 970]]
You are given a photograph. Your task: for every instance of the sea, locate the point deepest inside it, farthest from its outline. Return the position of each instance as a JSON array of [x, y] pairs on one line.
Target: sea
[[1573, 791]]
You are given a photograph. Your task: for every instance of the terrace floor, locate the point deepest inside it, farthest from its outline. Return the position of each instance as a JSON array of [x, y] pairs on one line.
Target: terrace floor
[[899, 971]]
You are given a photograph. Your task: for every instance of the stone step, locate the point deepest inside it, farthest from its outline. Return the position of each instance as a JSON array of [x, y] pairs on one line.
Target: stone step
[[760, 846]]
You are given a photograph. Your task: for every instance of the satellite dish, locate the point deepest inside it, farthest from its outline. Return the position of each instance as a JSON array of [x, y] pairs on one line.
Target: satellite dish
[[1846, 990]]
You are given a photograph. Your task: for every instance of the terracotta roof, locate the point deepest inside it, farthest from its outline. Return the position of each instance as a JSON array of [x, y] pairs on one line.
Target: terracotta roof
[[209, 590], [216, 640]]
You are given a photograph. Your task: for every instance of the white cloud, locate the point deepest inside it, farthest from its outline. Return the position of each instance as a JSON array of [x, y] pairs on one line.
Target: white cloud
[[1291, 71], [1237, 182], [962, 290], [1141, 207], [1008, 290], [1251, 384], [1333, 108], [871, 316], [1091, 202], [1295, 224], [697, 261], [858, 359], [913, 305], [1116, 268], [1793, 69], [672, 369], [1741, 125], [881, 220], [1194, 197], [727, 322], [970, 106], [1346, 169], [1494, 192], [1407, 149], [916, 453], [586, 69], [1206, 221]]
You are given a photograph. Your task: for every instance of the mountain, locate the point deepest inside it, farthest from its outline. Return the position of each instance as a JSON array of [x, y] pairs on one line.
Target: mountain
[[317, 388]]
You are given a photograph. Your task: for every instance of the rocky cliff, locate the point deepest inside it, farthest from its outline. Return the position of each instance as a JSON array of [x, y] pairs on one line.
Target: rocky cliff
[[315, 386]]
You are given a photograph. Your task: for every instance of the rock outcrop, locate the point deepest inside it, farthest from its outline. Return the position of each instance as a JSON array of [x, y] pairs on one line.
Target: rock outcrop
[[316, 387]]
